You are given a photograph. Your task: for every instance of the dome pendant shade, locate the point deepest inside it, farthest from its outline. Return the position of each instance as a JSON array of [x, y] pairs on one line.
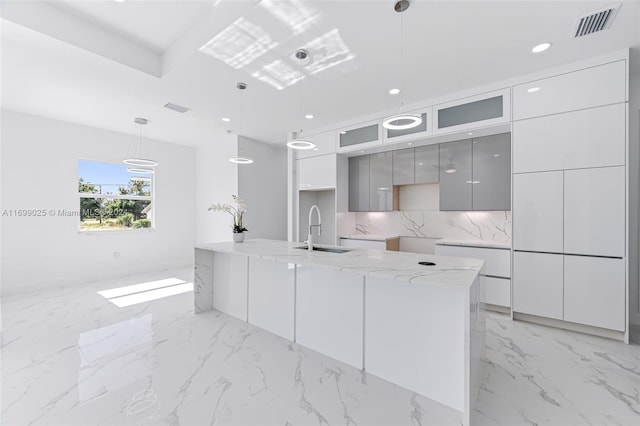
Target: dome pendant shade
[[402, 121]]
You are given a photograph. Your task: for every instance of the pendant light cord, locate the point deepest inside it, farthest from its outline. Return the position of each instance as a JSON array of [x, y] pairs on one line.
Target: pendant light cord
[[299, 135], [401, 62]]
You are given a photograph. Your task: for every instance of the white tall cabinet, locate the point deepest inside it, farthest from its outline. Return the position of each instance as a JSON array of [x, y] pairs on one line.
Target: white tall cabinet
[[570, 199]]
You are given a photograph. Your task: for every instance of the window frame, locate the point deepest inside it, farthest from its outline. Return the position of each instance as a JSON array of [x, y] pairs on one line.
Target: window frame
[[82, 195]]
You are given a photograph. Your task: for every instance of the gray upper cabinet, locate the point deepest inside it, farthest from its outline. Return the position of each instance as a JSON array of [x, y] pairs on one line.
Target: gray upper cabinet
[[426, 164], [381, 182], [456, 178], [359, 183], [403, 167], [475, 174], [492, 172]]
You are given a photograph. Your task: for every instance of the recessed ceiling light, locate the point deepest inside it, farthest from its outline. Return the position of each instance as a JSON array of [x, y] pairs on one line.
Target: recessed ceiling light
[[470, 133], [119, 1], [541, 47], [308, 116], [343, 132], [361, 152], [226, 119], [532, 89], [496, 155], [394, 91], [410, 143]]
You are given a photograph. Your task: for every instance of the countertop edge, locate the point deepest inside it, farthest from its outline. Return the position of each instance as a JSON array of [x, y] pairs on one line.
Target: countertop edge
[[407, 277]]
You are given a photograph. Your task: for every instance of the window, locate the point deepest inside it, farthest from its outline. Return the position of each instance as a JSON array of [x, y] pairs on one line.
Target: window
[[114, 197]]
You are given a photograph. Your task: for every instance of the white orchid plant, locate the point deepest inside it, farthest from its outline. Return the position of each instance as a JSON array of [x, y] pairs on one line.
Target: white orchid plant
[[236, 211]]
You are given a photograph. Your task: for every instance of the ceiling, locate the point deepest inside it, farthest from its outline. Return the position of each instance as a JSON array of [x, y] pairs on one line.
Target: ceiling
[[102, 63]]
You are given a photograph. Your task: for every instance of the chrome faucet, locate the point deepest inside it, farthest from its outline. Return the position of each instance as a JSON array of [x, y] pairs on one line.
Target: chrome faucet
[[319, 225]]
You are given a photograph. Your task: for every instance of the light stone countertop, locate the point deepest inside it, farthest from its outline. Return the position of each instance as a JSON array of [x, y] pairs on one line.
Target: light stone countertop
[[400, 266], [474, 243], [369, 237]]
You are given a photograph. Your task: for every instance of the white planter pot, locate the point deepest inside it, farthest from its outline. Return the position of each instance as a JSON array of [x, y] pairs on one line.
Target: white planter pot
[[238, 237]]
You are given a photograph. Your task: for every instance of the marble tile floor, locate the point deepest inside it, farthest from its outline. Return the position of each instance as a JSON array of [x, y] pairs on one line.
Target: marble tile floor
[[542, 375], [71, 357]]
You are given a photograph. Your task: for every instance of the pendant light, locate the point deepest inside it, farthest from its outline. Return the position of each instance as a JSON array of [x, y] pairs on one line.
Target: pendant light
[[401, 121], [137, 155], [296, 141], [239, 159]]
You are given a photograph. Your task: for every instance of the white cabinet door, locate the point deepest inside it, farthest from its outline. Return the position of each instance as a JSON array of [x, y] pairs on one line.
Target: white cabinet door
[[325, 144], [594, 211], [271, 296], [537, 284], [403, 324], [589, 138], [538, 212], [317, 172], [497, 261], [230, 284], [595, 86], [329, 312], [594, 291], [497, 291]]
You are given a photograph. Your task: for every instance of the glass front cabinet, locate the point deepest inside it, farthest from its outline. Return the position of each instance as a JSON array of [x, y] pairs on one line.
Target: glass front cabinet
[[483, 110]]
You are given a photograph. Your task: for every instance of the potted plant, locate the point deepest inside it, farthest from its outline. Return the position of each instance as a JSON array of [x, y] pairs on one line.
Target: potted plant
[[237, 212]]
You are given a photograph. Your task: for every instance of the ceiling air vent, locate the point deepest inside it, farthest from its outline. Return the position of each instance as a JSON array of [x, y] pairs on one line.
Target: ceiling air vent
[[178, 108], [596, 21]]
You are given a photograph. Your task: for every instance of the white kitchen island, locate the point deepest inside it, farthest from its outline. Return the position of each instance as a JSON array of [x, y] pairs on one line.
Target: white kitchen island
[[420, 327]]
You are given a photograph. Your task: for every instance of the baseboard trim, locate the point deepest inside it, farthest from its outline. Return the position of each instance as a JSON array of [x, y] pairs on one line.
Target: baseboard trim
[[571, 326], [497, 308]]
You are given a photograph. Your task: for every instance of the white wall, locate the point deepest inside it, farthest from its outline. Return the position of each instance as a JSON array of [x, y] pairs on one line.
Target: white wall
[[40, 171], [634, 197], [263, 185], [216, 182]]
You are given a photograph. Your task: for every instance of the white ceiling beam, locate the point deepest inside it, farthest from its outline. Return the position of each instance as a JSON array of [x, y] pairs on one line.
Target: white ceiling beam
[[55, 22]]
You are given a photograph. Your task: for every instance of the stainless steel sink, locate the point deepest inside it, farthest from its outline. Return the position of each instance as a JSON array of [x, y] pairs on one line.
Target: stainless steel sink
[[327, 249]]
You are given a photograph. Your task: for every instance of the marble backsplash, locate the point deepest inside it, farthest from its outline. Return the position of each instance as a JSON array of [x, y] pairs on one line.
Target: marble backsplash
[[488, 226], [419, 222], [419, 230]]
